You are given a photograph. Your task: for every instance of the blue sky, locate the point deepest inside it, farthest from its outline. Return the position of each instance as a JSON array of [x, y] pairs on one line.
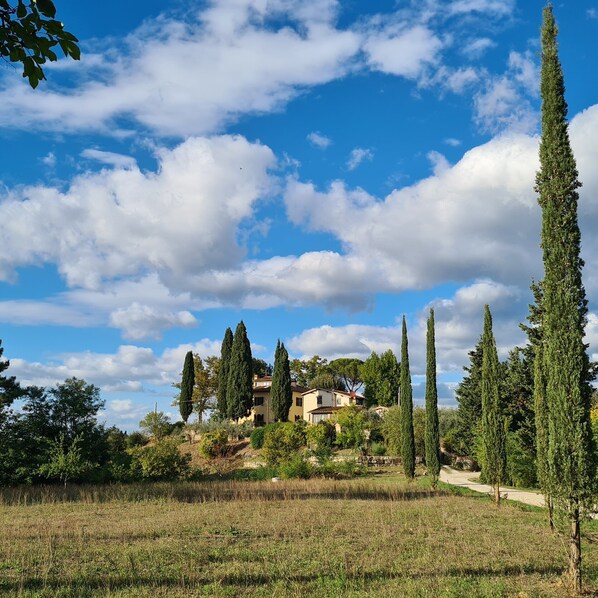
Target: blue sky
[[315, 168]]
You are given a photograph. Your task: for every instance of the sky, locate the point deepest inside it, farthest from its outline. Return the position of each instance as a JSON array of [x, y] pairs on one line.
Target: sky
[[312, 167]]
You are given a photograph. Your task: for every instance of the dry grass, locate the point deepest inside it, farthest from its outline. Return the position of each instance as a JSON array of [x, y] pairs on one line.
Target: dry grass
[[373, 538]]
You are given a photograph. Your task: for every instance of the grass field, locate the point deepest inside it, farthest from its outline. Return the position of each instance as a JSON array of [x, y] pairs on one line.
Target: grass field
[[372, 537]]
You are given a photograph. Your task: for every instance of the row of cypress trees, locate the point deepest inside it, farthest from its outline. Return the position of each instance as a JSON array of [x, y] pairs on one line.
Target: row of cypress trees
[[432, 434]]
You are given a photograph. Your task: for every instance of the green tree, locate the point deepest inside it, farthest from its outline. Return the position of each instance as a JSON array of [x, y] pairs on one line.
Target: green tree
[[65, 461], [9, 387], [469, 398], [260, 368], [304, 371], [28, 34], [227, 345], [348, 370], [407, 436], [282, 441], [161, 461], [239, 387], [156, 424], [388, 388], [370, 374], [282, 393], [493, 422], [571, 451], [187, 385], [432, 426], [353, 422]]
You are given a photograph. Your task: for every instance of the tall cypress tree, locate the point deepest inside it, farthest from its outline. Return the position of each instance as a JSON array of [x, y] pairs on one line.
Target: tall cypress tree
[[239, 387], [282, 394], [187, 384], [565, 362], [227, 345], [407, 435], [432, 440], [493, 422]]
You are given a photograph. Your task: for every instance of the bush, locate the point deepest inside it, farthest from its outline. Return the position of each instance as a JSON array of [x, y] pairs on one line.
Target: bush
[[321, 439], [341, 469], [378, 449], [257, 438], [297, 467], [135, 439], [214, 444], [162, 461], [353, 422], [391, 430], [281, 441]]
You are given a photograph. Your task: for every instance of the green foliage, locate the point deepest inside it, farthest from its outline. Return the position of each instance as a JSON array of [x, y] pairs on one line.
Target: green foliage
[[380, 375], [321, 438], [29, 33], [281, 394], [565, 367], [296, 467], [378, 449], [187, 384], [305, 371], [257, 437], [227, 345], [521, 464], [348, 371], [260, 368], [419, 431], [9, 387], [281, 441], [353, 422], [391, 431], [407, 436], [156, 424], [432, 441], [214, 444], [65, 461], [161, 461], [493, 421], [239, 387], [136, 439]]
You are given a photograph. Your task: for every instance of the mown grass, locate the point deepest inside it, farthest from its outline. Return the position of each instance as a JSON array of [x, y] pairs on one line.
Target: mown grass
[[378, 537]]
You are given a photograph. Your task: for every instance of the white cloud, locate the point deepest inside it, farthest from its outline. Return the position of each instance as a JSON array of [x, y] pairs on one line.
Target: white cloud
[[192, 76], [358, 155], [452, 142], [177, 221], [496, 7], [476, 47], [319, 140], [401, 51], [439, 162], [136, 320], [110, 158], [49, 160]]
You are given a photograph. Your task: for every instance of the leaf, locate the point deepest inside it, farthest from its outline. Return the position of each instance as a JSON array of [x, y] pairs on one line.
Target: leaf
[[21, 10], [47, 8]]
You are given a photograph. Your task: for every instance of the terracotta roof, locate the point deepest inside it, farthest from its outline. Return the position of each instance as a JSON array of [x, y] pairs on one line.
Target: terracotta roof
[[325, 409]]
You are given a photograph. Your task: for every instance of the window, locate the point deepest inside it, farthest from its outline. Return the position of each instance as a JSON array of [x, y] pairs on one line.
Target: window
[[338, 401], [258, 420], [299, 402], [258, 401], [319, 400]]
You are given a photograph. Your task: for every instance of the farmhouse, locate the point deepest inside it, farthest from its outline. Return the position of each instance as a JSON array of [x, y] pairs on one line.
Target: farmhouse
[[312, 405]]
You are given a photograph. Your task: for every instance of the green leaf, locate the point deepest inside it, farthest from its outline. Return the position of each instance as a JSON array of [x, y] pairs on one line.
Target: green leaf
[[47, 8], [21, 10]]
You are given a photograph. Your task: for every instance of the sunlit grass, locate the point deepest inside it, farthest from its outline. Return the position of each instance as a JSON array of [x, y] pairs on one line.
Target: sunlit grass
[[375, 537]]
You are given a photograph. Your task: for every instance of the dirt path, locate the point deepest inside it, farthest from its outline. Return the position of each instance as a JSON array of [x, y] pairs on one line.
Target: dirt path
[[468, 479]]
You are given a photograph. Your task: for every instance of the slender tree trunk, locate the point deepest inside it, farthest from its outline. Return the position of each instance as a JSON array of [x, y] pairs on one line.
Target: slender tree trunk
[[575, 551], [550, 512], [497, 494]]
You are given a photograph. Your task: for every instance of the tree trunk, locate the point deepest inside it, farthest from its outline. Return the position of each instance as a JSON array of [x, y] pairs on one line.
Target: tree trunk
[[497, 494], [575, 551], [550, 512]]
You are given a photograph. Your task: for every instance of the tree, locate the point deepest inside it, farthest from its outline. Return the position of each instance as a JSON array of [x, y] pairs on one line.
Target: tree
[[65, 460], [304, 371], [370, 374], [432, 426], [227, 345], [156, 424], [9, 387], [352, 421], [348, 370], [282, 393], [187, 386], [493, 423], [469, 398], [407, 436], [28, 34], [260, 368], [571, 451], [239, 387], [380, 375]]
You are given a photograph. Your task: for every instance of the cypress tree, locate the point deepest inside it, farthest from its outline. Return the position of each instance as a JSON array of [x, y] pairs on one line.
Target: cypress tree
[[493, 422], [239, 386], [571, 456], [432, 427], [407, 435], [227, 345], [282, 394], [187, 384]]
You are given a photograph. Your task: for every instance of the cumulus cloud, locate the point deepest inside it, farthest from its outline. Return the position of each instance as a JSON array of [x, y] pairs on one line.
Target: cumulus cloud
[[136, 320], [358, 155], [176, 221], [110, 158], [319, 140], [476, 47], [131, 368]]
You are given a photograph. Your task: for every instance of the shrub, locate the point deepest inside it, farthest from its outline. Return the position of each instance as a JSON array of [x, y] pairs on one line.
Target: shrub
[[321, 439], [296, 467], [214, 444], [353, 422], [257, 438], [341, 469], [391, 430], [162, 461], [378, 449], [281, 441]]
